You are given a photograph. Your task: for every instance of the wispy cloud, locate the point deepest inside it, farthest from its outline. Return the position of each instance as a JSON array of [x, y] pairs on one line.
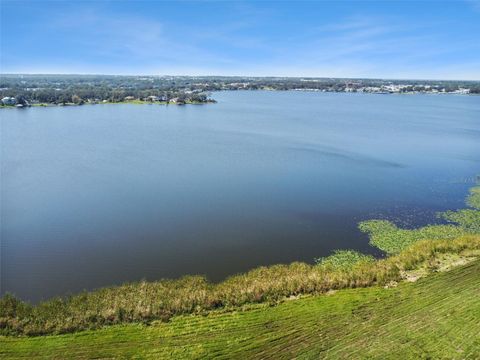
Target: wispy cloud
[[365, 46], [132, 39], [475, 4], [243, 38]]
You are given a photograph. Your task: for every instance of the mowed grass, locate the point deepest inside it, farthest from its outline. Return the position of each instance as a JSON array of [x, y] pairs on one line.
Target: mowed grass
[[437, 317]]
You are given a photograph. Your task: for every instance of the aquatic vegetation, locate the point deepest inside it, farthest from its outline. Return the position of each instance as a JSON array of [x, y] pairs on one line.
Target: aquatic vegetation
[[344, 259], [473, 199], [388, 237], [467, 219]]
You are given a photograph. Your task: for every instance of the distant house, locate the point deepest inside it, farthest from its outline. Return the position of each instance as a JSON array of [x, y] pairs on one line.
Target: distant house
[[7, 100], [129, 98], [153, 98], [177, 101]]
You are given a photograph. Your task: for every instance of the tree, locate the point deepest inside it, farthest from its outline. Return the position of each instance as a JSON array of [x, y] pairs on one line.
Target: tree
[[20, 99], [77, 100]]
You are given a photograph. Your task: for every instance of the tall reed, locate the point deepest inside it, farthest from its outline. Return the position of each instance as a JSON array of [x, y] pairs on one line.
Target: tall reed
[[160, 300]]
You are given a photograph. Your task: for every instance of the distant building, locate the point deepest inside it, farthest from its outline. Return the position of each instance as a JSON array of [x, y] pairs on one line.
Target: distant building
[[153, 98], [177, 101], [129, 98], [7, 100]]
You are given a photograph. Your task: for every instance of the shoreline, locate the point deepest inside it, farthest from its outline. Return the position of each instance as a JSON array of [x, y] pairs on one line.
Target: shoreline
[[410, 254], [213, 101], [331, 326], [133, 102]]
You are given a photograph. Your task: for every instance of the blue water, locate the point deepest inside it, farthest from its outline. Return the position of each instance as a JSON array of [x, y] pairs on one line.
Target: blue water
[[99, 195]]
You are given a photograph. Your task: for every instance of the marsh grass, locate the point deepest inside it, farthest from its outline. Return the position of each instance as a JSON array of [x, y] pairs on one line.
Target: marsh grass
[[160, 300], [434, 318], [344, 259]]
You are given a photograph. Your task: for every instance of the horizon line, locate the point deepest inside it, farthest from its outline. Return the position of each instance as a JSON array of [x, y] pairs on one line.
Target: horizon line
[[241, 76]]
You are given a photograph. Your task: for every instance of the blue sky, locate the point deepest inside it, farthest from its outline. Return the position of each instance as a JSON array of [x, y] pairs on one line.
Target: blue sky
[[389, 39]]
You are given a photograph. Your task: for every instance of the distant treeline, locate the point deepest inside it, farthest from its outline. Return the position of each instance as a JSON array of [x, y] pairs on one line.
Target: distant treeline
[[82, 88], [57, 89]]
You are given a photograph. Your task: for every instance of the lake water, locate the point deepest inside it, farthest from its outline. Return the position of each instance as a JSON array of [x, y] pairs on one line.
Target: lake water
[[100, 195]]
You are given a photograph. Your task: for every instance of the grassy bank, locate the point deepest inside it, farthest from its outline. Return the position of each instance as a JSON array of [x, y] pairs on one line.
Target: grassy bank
[[435, 317], [161, 300], [144, 302]]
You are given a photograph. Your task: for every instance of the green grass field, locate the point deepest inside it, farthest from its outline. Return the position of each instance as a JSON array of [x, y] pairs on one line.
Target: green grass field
[[437, 317]]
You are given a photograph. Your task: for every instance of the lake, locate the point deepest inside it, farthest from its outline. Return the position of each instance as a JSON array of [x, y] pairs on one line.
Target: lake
[[100, 195]]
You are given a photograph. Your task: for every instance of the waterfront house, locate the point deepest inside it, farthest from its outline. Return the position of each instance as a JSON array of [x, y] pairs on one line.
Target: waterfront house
[[7, 100]]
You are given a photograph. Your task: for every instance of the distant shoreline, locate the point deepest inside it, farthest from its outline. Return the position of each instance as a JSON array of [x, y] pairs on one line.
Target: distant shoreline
[[83, 89], [135, 102], [213, 101]]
